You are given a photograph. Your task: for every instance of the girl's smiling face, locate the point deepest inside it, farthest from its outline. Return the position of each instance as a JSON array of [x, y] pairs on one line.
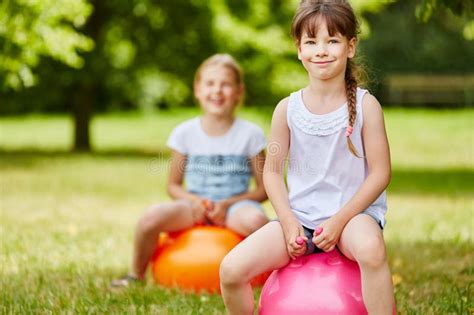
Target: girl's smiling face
[[325, 56], [218, 90]]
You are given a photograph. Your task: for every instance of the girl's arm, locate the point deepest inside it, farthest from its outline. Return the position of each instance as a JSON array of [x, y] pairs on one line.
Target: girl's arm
[[377, 154], [278, 146], [175, 179], [177, 191]]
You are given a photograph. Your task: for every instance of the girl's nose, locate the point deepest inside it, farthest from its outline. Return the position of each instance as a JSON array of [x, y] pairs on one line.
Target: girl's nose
[[321, 50], [217, 88]]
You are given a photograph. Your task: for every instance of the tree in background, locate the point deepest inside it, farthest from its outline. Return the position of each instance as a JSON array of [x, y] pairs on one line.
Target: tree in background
[[100, 55], [145, 53]]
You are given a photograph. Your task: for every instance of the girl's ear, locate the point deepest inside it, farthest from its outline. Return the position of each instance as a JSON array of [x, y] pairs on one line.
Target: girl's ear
[[241, 88], [299, 51], [241, 92], [352, 48]]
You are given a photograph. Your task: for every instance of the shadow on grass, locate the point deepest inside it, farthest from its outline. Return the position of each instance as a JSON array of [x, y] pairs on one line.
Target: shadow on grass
[[31, 158], [434, 181], [32, 153], [417, 181]]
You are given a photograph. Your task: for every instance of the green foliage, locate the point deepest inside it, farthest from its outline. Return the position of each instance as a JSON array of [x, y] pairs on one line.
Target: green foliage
[[143, 53], [364, 6], [400, 44], [257, 33], [31, 29], [461, 8], [426, 8], [146, 53]]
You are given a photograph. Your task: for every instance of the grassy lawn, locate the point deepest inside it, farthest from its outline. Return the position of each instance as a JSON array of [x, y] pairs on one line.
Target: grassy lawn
[[67, 219]]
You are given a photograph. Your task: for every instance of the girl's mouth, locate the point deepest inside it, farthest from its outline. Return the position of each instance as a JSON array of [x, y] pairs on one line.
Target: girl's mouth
[[217, 102], [322, 62]]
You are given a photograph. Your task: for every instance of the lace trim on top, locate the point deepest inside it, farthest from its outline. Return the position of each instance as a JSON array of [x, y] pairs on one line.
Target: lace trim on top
[[317, 125]]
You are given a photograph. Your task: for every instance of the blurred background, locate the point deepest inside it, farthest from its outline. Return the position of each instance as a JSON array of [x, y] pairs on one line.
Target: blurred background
[[95, 56], [91, 89]]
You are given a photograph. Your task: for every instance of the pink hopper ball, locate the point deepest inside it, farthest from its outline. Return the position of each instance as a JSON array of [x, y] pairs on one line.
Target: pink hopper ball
[[323, 283]]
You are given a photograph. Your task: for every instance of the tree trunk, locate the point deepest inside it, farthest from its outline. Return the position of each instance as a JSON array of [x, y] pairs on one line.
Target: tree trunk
[[85, 92], [83, 104]]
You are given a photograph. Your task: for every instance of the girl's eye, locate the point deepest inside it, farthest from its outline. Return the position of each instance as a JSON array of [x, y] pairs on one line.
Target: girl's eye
[[333, 41], [310, 42]]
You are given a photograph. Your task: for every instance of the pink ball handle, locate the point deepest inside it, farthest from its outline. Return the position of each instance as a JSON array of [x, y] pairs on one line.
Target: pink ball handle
[[299, 240]]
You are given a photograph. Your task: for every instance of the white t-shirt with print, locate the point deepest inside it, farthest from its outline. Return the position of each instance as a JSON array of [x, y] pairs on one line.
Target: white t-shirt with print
[[217, 167]]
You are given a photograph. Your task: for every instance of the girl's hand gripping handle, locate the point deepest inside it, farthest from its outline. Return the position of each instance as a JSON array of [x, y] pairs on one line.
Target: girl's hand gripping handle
[[300, 240], [310, 247], [318, 231]]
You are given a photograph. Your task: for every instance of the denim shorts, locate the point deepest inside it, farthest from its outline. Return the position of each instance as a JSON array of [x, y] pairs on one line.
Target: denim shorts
[[244, 203]]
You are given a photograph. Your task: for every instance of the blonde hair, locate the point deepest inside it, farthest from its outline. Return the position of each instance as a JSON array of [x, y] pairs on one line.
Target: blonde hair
[[340, 18], [224, 60]]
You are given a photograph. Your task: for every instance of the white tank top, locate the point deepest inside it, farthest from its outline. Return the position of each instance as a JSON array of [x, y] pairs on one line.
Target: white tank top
[[323, 175]]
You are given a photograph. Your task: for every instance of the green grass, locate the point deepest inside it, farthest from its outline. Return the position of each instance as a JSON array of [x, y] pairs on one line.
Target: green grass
[[67, 219]]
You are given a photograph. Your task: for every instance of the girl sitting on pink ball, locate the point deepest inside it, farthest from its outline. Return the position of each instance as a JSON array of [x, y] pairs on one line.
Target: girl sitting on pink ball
[[333, 134]]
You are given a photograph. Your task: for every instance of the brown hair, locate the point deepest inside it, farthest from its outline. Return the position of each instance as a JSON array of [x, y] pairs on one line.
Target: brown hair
[[340, 18]]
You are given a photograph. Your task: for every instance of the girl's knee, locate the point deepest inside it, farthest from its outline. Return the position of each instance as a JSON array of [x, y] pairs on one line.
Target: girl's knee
[[231, 273], [145, 225], [151, 219], [256, 221], [371, 252], [247, 223]]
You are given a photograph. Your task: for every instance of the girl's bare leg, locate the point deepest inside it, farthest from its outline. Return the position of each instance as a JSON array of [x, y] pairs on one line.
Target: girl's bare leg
[[165, 217], [362, 241], [262, 251], [246, 220]]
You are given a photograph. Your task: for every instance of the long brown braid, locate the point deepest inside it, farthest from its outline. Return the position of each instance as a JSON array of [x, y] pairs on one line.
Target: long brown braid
[[351, 93], [340, 18]]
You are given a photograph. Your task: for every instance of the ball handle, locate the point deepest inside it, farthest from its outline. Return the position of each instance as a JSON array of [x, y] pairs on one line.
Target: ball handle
[[299, 240], [208, 204]]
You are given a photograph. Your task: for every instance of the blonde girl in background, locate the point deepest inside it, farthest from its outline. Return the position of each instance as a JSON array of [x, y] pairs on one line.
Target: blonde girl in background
[[333, 134], [214, 157]]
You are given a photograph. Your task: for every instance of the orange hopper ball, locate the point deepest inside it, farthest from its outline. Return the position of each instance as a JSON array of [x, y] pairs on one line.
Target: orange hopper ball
[[190, 259]]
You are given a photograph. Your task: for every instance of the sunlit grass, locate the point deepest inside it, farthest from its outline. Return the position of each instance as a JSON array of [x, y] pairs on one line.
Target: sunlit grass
[[67, 220], [431, 138]]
